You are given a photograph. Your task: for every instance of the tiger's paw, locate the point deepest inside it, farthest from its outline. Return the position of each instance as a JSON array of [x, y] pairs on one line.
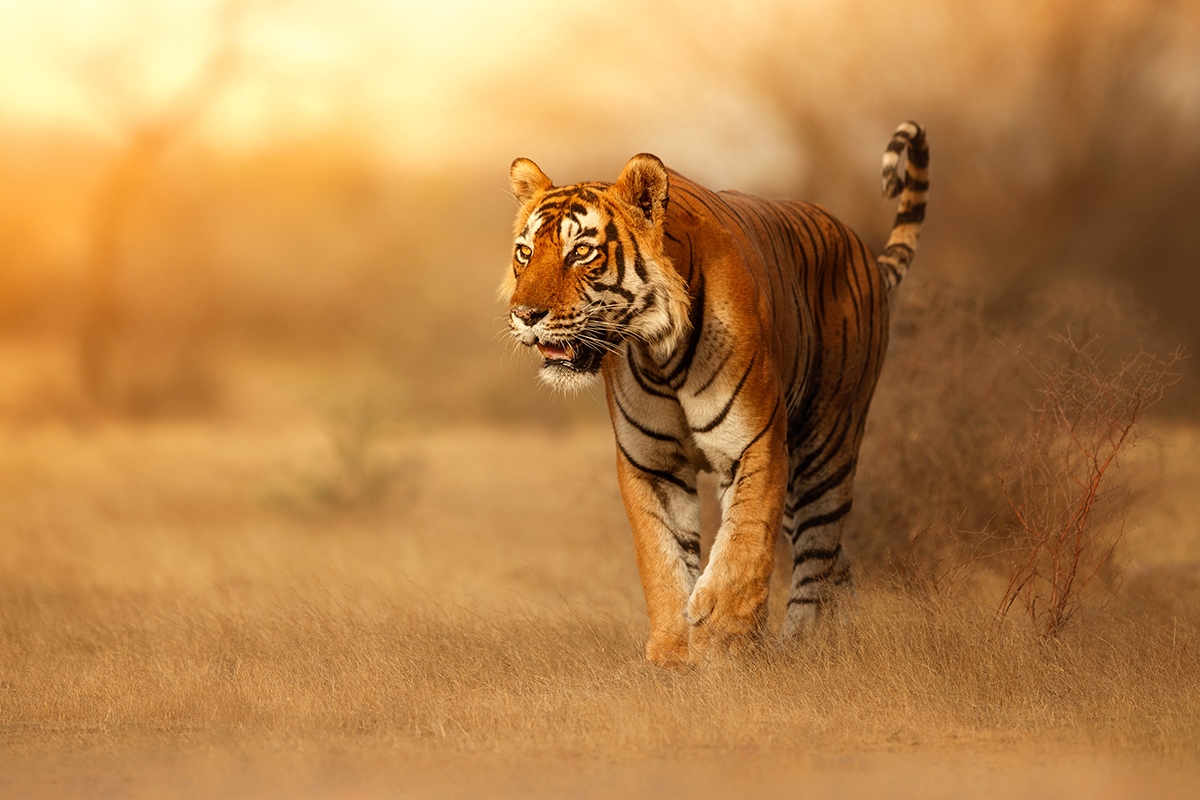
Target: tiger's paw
[[668, 648], [726, 618], [801, 620]]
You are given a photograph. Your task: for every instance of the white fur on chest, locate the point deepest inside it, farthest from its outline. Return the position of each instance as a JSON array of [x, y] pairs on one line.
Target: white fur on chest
[[704, 427]]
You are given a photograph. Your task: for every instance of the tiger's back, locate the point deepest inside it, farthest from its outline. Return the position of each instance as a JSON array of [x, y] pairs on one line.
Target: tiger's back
[[827, 299]]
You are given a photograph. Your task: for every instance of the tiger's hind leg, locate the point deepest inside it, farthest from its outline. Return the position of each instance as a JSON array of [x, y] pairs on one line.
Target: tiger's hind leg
[[819, 498]]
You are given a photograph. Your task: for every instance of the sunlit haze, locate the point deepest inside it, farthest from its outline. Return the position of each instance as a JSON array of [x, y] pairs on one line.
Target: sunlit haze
[[303, 65], [426, 83]]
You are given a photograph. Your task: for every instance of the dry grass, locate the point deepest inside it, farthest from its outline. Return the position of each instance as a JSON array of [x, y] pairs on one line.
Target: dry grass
[[151, 589], [320, 665]]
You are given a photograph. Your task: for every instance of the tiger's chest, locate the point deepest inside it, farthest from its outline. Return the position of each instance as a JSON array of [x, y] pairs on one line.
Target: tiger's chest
[[692, 411]]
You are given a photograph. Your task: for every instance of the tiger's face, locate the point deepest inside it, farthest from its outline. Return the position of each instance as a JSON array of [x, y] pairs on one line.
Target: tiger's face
[[589, 270]]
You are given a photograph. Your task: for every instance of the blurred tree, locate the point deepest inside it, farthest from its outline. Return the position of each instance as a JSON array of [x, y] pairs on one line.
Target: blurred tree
[[147, 134]]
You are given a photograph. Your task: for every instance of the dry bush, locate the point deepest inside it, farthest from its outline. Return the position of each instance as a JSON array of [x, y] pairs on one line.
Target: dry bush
[[963, 403], [951, 398], [368, 459], [949, 395], [1069, 511]]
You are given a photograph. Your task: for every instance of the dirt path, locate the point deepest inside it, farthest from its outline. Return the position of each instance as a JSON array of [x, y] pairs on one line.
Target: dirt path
[[925, 773]]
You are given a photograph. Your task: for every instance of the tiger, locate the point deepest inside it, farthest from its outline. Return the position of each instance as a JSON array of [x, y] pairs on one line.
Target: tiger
[[735, 335]]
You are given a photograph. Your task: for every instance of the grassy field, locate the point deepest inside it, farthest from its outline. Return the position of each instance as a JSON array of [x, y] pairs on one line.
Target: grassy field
[[237, 607]]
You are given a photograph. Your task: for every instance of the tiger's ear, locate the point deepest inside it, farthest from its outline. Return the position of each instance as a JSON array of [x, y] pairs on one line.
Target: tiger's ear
[[643, 184], [527, 180]]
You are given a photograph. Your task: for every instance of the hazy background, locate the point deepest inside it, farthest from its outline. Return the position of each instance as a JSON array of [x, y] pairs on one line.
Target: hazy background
[[197, 192]]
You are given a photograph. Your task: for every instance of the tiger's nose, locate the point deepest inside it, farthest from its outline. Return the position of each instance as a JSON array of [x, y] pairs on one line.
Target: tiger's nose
[[529, 315]]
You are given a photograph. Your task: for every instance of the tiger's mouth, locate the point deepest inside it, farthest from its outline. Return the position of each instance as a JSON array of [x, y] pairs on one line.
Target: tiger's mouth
[[576, 355]]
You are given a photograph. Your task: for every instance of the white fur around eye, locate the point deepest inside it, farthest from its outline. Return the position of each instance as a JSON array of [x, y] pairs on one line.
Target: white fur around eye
[[576, 227]]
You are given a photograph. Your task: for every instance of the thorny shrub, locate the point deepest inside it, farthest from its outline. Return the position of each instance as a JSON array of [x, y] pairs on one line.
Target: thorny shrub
[[1069, 512], [991, 455]]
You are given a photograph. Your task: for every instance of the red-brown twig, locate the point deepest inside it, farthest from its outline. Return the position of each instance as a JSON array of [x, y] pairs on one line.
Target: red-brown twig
[[1059, 483]]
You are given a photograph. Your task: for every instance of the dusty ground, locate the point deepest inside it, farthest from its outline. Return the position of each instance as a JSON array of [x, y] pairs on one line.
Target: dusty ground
[[985, 773]]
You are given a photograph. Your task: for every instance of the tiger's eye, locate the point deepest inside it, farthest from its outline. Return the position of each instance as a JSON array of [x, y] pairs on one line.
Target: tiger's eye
[[523, 253], [583, 250]]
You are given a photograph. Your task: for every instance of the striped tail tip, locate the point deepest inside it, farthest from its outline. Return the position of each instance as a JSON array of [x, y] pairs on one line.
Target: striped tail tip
[[913, 190]]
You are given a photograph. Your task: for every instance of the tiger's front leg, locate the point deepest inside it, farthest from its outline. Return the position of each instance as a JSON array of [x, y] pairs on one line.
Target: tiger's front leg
[[664, 514], [728, 606]]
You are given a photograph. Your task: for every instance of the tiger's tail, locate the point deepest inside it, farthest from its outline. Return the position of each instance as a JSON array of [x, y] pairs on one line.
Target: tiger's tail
[[913, 190]]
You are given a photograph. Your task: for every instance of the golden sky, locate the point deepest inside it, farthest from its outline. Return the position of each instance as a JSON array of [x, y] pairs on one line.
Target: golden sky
[[718, 88], [88, 65]]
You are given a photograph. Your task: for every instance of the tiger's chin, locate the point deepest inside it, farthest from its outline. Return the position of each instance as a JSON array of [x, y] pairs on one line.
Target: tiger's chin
[[569, 368], [565, 379]]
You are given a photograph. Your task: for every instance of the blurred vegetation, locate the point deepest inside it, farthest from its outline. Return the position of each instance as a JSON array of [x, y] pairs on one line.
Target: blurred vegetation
[[1063, 148]]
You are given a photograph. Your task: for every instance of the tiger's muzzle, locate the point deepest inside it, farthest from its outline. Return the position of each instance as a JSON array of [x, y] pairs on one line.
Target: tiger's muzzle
[[582, 353]]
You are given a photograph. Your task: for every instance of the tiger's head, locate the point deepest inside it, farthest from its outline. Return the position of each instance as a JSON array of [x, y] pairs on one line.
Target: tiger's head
[[589, 270]]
